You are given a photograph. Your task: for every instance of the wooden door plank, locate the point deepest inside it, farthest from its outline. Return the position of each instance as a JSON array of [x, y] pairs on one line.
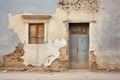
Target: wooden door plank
[[32, 33]]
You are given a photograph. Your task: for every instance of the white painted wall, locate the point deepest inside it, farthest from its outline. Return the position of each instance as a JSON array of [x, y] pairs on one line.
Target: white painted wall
[[40, 54]]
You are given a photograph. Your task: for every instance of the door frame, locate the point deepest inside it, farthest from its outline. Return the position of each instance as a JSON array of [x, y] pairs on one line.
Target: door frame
[[68, 27]]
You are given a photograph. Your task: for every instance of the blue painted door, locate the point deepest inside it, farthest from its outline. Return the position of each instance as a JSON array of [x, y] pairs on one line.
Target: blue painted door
[[83, 51], [73, 56], [78, 51]]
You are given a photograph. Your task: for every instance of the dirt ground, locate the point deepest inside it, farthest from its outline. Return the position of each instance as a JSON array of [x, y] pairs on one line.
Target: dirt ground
[[68, 75]]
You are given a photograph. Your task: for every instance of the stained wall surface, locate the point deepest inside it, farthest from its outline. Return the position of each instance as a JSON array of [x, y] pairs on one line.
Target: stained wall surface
[[104, 19], [104, 38], [107, 35], [8, 38]]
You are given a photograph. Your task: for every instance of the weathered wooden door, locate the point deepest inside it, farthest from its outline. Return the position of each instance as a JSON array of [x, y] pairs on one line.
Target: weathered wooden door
[[79, 44]]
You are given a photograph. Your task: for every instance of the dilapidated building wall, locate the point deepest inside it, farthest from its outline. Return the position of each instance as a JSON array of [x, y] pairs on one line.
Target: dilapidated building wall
[[51, 45]]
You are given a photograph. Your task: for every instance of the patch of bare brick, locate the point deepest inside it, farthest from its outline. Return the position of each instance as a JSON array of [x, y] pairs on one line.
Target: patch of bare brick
[[14, 59], [92, 61], [88, 6], [61, 63]]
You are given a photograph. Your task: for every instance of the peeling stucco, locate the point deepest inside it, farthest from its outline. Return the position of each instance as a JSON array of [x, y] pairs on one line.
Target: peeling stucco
[[44, 54], [14, 59], [87, 6], [20, 6], [40, 54], [103, 37]]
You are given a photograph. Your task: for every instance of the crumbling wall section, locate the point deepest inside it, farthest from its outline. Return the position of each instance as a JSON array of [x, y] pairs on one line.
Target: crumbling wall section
[[14, 59], [106, 45], [57, 39], [61, 63], [89, 6], [93, 65], [41, 54]]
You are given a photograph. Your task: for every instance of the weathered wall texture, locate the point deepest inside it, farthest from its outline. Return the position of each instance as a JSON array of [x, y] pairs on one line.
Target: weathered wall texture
[[103, 16], [106, 35], [87, 6], [104, 28], [40, 54], [8, 38], [14, 59]]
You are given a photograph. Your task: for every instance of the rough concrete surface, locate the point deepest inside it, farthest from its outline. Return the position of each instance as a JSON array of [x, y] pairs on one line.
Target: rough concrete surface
[[70, 75]]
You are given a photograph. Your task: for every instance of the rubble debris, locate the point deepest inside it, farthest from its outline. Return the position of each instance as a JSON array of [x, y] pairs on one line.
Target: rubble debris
[[61, 63], [32, 68], [92, 61], [14, 59], [24, 69], [14, 62]]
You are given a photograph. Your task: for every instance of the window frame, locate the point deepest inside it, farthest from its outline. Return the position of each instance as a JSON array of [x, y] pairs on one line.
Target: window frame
[[36, 18], [36, 37]]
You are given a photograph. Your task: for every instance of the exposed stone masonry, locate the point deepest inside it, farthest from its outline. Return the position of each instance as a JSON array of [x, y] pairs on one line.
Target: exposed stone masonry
[[92, 61], [61, 63], [88, 6], [14, 59]]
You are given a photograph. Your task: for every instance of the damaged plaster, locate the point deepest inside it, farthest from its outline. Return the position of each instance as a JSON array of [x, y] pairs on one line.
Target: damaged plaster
[[87, 6], [103, 37], [14, 59], [93, 66], [40, 54], [61, 63], [44, 54], [8, 38]]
